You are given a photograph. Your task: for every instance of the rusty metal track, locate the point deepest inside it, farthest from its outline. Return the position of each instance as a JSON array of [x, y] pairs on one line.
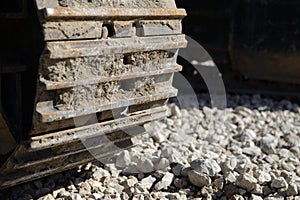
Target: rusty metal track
[[58, 138], [48, 113], [12, 179], [73, 49], [111, 136], [112, 64]]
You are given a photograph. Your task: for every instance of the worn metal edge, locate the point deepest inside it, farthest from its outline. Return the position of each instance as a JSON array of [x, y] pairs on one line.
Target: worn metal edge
[[61, 156], [107, 127], [9, 183], [81, 48], [113, 13]]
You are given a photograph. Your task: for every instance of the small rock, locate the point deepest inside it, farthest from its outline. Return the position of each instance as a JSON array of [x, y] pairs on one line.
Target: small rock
[[244, 164], [181, 137], [115, 173], [230, 190], [88, 166], [267, 190], [288, 166], [275, 196], [272, 158], [249, 133], [100, 174], [165, 182], [231, 177], [63, 193], [269, 144], [255, 197], [145, 165], [123, 159], [84, 188], [119, 188], [78, 181], [96, 186], [292, 190], [288, 176], [274, 175], [237, 197], [173, 155], [139, 189], [57, 191], [180, 182], [131, 181], [219, 183], [173, 196], [131, 169], [293, 140], [110, 191], [98, 196], [228, 165], [242, 191], [262, 177], [209, 167], [159, 137], [257, 189], [252, 151], [207, 111], [279, 183], [76, 196], [148, 182], [199, 179], [285, 153], [105, 33], [47, 197], [163, 164], [158, 174], [177, 169], [247, 182], [124, 196], [185, 170], [175, 111], [71, 187]]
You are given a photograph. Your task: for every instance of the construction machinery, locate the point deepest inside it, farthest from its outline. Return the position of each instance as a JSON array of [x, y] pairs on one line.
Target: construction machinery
[[254, 43], [79, 78]]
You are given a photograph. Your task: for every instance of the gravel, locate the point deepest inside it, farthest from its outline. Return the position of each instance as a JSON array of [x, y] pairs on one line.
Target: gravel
[[250, 150], [209, 167], [165, 182], [199, 179], [279, 183]]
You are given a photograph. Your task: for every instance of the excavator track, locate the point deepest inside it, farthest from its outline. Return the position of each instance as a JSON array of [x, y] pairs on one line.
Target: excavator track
[[106, 70]]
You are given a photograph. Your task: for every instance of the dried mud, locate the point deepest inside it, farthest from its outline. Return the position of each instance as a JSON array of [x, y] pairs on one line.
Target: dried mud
[[102, 66], [103, 93]]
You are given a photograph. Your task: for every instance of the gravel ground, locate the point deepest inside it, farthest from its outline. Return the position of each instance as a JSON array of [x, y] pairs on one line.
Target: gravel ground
[[250, 150]]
